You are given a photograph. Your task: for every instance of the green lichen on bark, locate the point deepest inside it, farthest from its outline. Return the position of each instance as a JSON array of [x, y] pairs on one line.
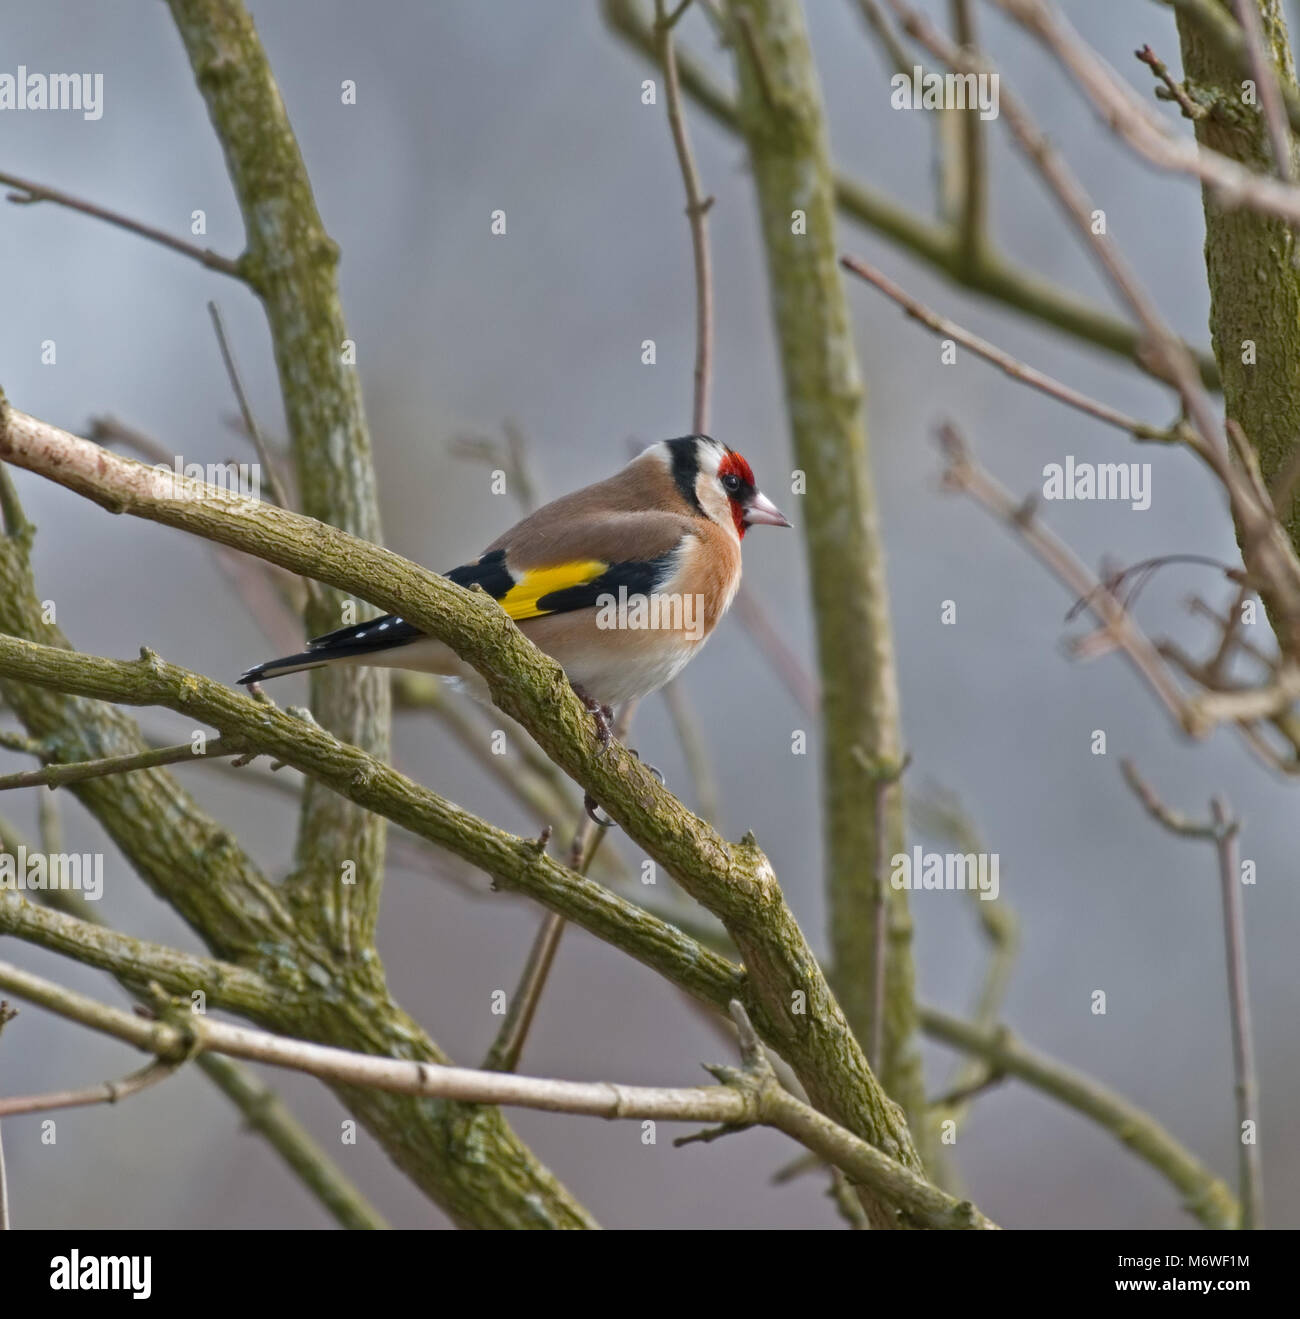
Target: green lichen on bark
[[292, 265], [194, 864], [1249, 257], [788, 997], [782, 118]]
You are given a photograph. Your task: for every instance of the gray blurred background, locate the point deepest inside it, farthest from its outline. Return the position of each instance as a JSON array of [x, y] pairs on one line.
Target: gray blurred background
[[533, 108]]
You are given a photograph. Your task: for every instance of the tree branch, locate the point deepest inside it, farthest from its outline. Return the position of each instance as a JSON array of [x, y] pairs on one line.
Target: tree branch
[[292, 265], [30, 193], [1204, 1195], [939, 246], [734, 881], [790, 156], [748, 1096]]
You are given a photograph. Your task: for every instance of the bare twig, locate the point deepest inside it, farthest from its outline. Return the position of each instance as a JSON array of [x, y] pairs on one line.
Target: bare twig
[[694, 750], [940, 814], [7, 1014], [973, 176], [962, 473], [1176, 823], [894, 50], [1250, 1164], [1204, 1194], [30, 193], [1124, 112], [1218, 25], [56, 775], [273, 597], [1167, 356], [1176, 90], [1270, 92], [106, 1092], [746, 1096], [772, 645], [508, 1046], [938, 245], [511, 458], [1223, 831], [697, 208], [1013, 367], [251, 428]]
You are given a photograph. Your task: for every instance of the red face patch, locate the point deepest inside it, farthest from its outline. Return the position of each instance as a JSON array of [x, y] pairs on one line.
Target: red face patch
[[733, 464]]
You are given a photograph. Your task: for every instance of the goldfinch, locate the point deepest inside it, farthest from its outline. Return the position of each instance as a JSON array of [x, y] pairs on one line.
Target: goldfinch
[[620, 582]]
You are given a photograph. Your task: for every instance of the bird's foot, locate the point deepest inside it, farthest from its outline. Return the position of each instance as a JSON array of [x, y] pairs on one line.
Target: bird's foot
[[658, 773], [601, 715], [594, 813]]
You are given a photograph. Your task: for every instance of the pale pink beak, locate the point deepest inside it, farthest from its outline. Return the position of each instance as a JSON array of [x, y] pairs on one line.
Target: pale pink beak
[[762, 512]]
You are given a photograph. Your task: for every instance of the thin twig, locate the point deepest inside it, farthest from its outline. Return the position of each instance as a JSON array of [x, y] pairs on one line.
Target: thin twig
[[772, 645], [1250, 1163], [747, 1095], [508, 1046], [973, 155], [1012, 366], [1166, 354], [511, 458], [962, 473], [1203, 1194], [30, 193], [1270, 92], [506, 1049], [937, 245], [7, 1014], [755, 52], [1182, 825], [106, 1092], [697, 209], [1175, 88], [107, 430], [263, 1110], [882, 779], [21, 743], [941, 815], [1224, 831], [1126, 114], [895, 52], [1222, 31], [251, 428], [694, 750], [56, 775]]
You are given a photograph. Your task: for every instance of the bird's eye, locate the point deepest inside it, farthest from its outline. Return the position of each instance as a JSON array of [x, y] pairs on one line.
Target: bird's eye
[[731, 483]]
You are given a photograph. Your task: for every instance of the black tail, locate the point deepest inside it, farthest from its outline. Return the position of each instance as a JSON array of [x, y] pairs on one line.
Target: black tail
[[347, 643]]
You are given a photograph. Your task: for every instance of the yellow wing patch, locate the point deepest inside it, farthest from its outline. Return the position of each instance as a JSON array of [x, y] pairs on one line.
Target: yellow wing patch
[[520, 601]]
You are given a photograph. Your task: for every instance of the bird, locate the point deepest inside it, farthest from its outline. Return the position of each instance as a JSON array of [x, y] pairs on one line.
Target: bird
[[621, 582]]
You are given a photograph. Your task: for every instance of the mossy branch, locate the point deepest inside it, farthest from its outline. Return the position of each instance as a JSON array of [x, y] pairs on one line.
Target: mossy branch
[[782, 118], [788, 995], [940, 246], [292, 265]]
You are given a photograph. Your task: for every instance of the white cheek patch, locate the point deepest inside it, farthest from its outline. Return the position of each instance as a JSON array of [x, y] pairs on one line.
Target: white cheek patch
[[713, 501]]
